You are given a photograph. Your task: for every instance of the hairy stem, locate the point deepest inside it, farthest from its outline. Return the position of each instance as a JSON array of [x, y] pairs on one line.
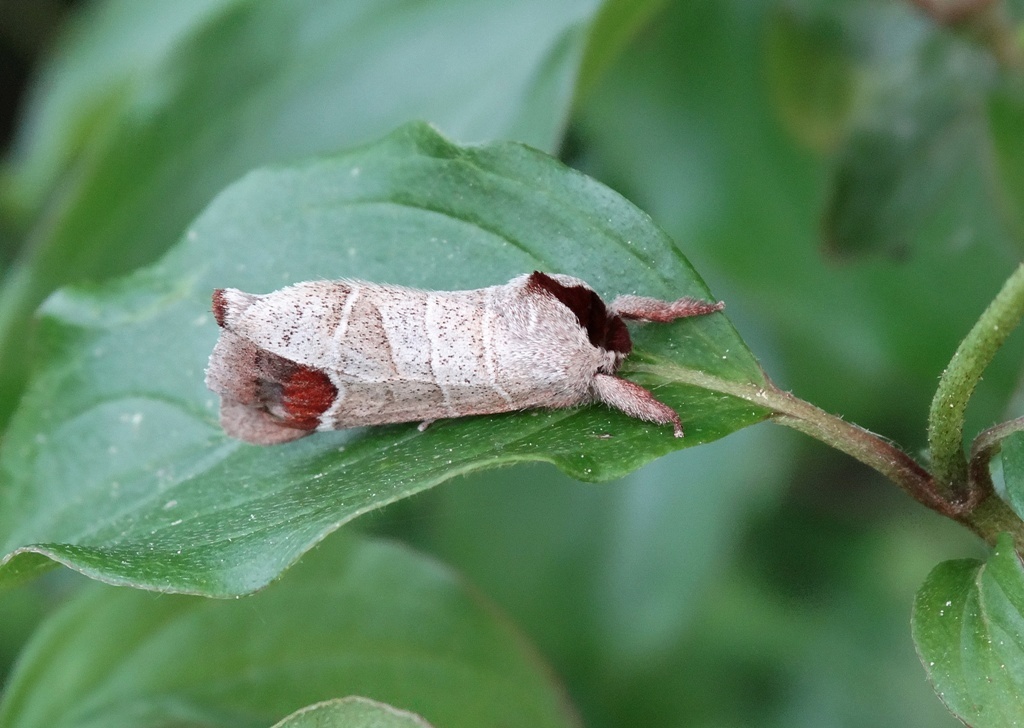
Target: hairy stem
[[992, 516], [985, 447], [946, 419], [836, 432], [983, 511]]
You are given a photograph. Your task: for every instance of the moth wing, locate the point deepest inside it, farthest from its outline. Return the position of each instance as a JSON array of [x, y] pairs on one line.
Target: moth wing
[[298, 323], [256, 426], [265, 399]]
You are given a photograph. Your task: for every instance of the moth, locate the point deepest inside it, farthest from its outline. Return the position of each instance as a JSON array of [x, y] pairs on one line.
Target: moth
[[329, 355]]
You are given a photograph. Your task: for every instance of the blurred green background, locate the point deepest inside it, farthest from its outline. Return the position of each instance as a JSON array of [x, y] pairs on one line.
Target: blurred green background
[[841, 173]]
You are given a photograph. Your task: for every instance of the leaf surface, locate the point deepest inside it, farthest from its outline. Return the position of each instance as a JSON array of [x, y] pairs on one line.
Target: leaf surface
[[358, 617], [251, 82], [1006, 118], [115, 463], [109, 53], [1011, 457], [911, 151], [968, 626], [685, 126], [352, 713]]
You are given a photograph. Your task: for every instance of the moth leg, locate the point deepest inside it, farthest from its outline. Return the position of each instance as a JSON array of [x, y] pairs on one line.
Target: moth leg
[[635, 401], [424, 425], [641, 308]]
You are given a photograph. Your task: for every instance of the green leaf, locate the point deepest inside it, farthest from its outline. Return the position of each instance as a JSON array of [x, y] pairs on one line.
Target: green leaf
[[270, 80], [358, 617], [913, 148], [968, 626], [115, 464], [109, 51], [684, 126], [352, 713], [21, 610], [1012, 457], [617, 573], [614, 27], [1006, 120], [810, 73]]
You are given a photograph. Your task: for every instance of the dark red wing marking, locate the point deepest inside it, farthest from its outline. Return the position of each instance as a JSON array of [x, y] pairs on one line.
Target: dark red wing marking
[[306, 395], [220, 306], [300, 392], [604, 330], [617, 336]]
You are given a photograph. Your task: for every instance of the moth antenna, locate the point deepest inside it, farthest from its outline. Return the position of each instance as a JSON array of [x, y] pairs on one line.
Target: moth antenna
[[641, 308]]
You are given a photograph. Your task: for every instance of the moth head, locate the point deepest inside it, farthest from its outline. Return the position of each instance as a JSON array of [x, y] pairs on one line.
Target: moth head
[[605, 330]]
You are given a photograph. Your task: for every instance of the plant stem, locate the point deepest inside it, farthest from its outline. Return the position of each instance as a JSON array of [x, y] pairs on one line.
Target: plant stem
[[954, 488], [983, 512], [868, 448], [835, 432], [946, 419], [992, 516], [985, 447]]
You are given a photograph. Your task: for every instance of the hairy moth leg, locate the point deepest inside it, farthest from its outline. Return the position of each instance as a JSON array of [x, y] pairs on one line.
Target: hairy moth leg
[[631, 398], [641, 308], [635, 401]]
